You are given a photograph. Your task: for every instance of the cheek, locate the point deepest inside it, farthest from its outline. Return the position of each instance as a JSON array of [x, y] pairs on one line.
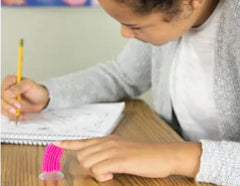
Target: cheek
[[152, 35], [160, 34]]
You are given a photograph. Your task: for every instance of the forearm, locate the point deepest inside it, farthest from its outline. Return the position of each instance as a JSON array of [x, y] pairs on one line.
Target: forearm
[[127, 76], [91, 86]]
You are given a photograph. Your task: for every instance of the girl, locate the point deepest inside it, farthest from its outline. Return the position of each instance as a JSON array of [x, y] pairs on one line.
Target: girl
[[188, 52]]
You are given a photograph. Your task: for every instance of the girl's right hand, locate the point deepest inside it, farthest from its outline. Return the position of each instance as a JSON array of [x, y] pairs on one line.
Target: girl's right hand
[[34, 97]]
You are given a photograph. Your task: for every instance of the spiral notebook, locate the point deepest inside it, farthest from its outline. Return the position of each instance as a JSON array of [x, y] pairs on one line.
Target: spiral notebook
[[86, 121]]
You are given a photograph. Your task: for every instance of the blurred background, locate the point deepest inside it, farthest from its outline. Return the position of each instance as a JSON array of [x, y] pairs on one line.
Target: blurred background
[[58, 40]]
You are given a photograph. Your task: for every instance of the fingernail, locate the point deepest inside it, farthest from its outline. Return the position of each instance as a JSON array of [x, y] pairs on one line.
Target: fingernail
[[57, 143], [17, 105], [12, 110], [106, 177], [21, 118]]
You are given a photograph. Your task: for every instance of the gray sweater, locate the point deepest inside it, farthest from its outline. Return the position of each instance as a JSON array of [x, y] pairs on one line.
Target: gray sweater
[[143, 66]]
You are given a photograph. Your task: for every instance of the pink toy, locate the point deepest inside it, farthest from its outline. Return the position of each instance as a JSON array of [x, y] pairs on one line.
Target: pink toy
[[51, 158], [51, 164]]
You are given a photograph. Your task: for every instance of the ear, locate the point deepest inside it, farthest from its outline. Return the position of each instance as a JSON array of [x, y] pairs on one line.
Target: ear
[[188, 6], [196, 4]]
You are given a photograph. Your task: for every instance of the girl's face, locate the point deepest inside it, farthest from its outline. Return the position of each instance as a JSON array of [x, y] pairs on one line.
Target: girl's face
[[156, 28]]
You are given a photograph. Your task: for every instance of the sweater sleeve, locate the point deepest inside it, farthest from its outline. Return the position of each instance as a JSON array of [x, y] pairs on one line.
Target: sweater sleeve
[[127, 76], [220, 163]]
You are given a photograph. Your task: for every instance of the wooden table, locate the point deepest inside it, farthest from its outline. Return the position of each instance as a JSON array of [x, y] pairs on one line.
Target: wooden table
[[21, 164]]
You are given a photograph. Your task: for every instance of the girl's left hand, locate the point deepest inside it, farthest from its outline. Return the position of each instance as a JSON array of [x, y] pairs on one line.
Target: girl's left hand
[[112, 154]]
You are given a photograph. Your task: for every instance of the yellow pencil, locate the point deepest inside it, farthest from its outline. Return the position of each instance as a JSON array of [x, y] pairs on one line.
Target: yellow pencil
[[19, 75]]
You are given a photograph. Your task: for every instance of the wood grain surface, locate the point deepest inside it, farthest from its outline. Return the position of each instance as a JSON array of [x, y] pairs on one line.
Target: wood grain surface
[[21, 164]]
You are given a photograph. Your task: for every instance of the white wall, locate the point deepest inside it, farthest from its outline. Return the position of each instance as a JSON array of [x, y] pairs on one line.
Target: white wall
[[58, 40]]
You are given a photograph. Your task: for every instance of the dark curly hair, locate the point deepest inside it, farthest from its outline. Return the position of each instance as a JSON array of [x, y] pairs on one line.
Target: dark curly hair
[[148, 6]]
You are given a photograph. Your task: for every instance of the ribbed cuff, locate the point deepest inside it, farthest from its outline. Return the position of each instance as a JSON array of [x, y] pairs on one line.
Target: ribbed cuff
[[220, 163], [48, 86]]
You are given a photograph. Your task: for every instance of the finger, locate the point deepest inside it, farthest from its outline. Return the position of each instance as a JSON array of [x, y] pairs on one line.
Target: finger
[[11, 116], [9, 81], [7, 107], [17, 89], [22, 116], [105, 144], [96, 157], [75, 144], [108, 166], [79, 144], [85, 152], [7, 114], [12, 102], [102, 178], [10, 111]]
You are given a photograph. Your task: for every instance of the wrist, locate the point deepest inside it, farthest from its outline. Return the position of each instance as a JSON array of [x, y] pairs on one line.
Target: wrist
[[186, 159]]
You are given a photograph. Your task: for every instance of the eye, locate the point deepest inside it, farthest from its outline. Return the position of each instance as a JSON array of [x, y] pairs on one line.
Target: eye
[[135, 28]]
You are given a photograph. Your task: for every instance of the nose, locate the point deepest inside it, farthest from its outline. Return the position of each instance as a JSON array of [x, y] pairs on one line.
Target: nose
[[126, 32]]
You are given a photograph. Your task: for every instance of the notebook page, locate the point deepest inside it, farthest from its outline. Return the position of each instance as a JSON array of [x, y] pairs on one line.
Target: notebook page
[[87, 120]]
